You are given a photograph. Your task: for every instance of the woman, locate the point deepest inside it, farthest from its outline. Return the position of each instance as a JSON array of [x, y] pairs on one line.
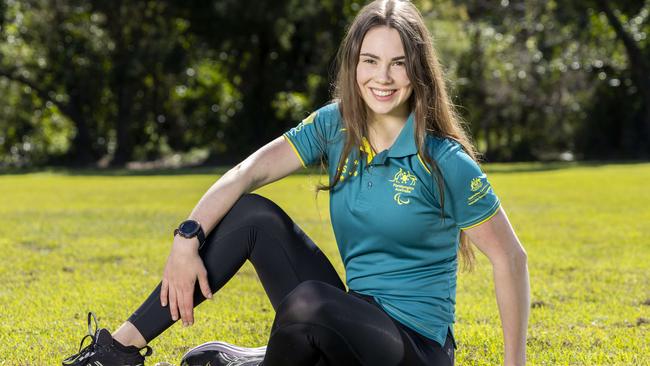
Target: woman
[[406, 194]]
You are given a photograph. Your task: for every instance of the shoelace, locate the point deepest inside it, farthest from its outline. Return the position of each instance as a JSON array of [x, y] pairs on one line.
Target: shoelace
[[89, 349]]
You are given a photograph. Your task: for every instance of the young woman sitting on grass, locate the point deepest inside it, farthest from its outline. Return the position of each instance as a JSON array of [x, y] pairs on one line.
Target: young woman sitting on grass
[[406, 196]]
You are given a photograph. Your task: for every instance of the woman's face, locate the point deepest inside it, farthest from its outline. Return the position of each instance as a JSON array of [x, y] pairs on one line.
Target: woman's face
[[381, 73]]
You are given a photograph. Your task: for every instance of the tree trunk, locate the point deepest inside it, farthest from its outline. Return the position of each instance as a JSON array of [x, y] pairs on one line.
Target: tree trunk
[[122, 85], [639, 67], [81, 152], [124, 143], [254, 124]]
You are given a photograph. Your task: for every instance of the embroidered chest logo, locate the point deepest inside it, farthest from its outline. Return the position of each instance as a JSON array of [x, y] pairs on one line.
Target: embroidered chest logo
[[403, 183]]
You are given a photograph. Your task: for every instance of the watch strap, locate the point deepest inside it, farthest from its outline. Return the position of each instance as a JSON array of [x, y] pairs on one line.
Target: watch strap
[[201, 236]]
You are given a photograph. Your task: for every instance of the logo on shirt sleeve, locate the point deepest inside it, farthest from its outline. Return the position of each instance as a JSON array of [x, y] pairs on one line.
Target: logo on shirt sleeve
[[480, 187], [403, 183], [305, 122], [310, 118], [476, 184]]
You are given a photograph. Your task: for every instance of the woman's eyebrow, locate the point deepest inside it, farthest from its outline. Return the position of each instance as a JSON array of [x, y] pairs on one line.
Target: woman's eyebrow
[[377, 57]]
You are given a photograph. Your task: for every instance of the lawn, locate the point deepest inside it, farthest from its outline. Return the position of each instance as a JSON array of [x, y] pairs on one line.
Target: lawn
[[77, 241]]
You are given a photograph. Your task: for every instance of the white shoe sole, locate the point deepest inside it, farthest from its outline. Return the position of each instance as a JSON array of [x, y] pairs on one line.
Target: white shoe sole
[[228, 348]]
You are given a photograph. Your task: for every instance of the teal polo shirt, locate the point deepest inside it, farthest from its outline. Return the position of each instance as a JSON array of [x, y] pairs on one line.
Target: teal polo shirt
[[396, 243]]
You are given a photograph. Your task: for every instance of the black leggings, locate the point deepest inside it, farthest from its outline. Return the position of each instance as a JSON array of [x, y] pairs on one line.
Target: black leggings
[[317, 322]]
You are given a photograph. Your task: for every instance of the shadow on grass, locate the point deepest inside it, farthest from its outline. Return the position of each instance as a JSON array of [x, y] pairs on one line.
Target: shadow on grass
[[501, 168]]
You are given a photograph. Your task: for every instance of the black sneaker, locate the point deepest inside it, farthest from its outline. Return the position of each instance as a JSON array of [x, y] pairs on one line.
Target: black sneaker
[[223, 354], [104, 351]]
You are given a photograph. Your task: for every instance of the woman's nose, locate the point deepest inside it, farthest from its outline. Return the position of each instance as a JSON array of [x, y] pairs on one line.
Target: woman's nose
[[383, 74]]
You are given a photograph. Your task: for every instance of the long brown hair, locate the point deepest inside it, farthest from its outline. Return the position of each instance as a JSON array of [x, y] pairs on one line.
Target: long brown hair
[[434, 111]]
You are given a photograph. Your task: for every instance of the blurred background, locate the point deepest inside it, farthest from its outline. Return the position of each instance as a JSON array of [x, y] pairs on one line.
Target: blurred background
[[177, 83]]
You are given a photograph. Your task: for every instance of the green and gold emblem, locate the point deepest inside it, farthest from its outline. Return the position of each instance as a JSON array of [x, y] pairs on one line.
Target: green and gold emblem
[[476, 184]]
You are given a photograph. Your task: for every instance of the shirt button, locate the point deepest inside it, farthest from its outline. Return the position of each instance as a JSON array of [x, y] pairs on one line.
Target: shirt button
[[369, 185]]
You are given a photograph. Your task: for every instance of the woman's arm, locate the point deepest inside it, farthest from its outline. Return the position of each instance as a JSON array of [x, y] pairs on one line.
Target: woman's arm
[[497, 240], [184, 266], [272, 162]]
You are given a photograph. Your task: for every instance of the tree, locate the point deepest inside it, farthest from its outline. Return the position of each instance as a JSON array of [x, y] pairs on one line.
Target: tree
[[275, 54], [107, 67], [43, 50], [535, 74], [635, 41], [145, 57]]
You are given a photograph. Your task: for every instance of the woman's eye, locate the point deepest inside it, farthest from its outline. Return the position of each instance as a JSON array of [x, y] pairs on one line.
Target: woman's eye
[[398, 63], [369, 61]]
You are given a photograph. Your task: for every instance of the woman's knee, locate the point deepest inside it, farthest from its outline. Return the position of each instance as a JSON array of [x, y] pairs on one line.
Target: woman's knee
[[256, 209], [310, 302]]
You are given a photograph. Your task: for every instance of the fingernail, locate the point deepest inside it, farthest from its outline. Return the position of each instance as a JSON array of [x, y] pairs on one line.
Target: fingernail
[[209, 295], [185, 324], [174, 318], [164, 304]]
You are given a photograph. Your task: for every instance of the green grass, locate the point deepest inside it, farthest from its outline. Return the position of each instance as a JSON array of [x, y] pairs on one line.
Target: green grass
[[71, 242]]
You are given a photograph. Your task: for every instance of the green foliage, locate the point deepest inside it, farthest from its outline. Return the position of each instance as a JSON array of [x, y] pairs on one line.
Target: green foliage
[[205, 101], [32, 132], [81, 240], [270, 53], [531, 75], [142, 80]]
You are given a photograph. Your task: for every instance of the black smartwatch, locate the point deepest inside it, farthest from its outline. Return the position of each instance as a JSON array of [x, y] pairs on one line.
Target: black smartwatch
[[190, 229]]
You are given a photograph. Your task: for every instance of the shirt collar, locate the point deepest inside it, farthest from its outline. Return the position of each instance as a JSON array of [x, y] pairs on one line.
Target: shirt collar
[[405, 143], [403, 146]]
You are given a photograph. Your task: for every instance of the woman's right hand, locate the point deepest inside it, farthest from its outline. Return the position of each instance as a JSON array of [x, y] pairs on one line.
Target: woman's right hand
[[184, 266]]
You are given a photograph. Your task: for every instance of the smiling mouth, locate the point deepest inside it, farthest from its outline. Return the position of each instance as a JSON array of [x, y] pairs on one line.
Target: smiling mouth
[[383, 93]]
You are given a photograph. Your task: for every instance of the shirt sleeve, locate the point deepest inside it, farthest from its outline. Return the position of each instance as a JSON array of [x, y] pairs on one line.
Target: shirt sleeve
[[309, 139], [471, 199]]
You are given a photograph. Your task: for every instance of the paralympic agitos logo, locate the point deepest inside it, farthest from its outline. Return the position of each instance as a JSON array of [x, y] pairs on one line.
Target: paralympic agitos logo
[[403, 183]]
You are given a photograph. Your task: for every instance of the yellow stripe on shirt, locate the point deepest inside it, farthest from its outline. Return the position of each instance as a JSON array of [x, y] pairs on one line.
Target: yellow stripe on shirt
[[295, 150], [423, 164], [484, 220]]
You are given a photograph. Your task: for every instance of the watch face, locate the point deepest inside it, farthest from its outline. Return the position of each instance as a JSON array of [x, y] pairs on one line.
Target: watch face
[[189, 227]]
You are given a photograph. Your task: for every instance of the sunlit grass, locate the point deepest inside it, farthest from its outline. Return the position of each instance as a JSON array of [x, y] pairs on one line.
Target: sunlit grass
[[78, 241]]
